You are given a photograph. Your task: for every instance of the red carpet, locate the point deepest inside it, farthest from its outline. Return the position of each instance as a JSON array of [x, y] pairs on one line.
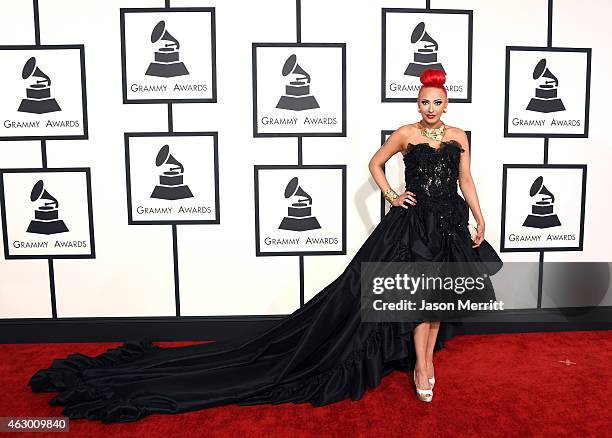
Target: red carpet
[[487, 385]]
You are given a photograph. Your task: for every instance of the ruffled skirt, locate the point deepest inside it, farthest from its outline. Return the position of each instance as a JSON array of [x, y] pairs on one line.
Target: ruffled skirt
[[320, 354]]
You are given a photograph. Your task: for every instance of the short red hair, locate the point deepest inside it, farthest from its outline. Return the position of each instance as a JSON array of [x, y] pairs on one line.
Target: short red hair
[[433, 78]]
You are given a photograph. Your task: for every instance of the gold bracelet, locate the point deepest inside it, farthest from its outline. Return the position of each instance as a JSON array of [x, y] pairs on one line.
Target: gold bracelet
[[390, 195], [391, 198]]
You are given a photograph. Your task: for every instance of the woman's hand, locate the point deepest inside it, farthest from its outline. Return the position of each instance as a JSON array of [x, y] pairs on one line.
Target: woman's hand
[[399, 201], [480, 229]]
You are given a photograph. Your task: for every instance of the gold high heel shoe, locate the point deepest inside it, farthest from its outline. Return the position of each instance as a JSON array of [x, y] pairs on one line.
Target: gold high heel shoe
[[425, 395]]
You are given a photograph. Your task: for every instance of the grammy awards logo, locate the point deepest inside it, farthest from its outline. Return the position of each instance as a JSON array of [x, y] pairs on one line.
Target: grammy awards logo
[[297, 95], [426, 54], [170, 185], [46, 215], [545, 99], [299, 216], [542, 215], [166, 62], [38, 98]]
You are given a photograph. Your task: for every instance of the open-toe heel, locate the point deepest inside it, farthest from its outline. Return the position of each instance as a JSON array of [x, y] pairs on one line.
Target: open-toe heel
[[425, 395], [432, 381]]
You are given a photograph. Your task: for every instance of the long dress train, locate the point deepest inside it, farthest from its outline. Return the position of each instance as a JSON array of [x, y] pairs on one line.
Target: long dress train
[[321, 353]]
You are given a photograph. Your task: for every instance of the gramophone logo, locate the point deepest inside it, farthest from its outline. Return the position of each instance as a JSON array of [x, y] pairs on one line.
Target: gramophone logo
[[545, 99], [426, 54], [297, 95], [171, 186], [166, 62], [542, 215], [38, 98], [46, 214], [299, 216]]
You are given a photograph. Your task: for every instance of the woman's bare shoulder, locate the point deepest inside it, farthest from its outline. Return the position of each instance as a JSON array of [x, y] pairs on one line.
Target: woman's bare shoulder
[[407, 129], [455, 133], [407, 132], [453, 129], [458, 135]]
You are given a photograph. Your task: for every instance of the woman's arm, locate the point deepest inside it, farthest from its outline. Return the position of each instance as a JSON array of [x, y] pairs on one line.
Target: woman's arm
[[468, 188], [394, 144]]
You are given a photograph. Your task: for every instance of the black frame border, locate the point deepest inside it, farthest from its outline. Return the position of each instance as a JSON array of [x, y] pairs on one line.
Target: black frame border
[[502, 241], [84, 114], [383, 77], [87, 171], [587, 100], [258, 167], [213, 42], [213, 134], [256, 133]]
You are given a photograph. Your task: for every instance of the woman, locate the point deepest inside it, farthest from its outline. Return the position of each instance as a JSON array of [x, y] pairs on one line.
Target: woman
[[323, 352], [432, 103]]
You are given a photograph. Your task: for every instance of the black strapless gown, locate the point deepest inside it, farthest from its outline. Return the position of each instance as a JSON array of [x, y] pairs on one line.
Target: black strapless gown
[[321, 353]]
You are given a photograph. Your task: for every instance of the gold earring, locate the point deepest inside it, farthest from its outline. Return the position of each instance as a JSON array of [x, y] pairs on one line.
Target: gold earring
[[444, 109]]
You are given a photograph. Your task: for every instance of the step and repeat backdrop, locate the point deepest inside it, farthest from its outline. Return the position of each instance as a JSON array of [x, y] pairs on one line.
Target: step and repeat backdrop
[[192, 158]]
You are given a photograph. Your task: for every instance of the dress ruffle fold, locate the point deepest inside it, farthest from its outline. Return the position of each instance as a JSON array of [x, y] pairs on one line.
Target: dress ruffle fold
[[386, 348], [86, 400]]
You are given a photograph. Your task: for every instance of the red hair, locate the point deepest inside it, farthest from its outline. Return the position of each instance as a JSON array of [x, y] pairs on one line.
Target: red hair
[[433, 78]]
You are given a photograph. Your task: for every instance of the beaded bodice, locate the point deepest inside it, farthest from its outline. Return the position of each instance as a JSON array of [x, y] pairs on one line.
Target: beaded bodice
[[432, 174]]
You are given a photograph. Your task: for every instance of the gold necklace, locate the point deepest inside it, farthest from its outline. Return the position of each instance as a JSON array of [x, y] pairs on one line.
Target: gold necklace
[[433, 133]]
